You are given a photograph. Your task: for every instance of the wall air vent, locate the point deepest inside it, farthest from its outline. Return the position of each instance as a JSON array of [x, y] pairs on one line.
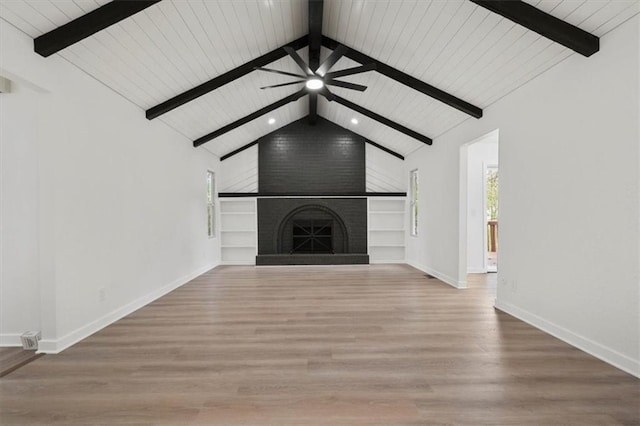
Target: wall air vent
[[5, 85], [30, 340]]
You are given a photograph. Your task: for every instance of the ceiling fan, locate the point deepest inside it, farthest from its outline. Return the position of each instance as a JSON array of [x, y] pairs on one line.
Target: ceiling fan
[[318, 80]]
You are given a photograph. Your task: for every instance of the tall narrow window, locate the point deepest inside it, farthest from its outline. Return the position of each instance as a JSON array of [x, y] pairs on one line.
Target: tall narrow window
[[211, 210], [413, 201]]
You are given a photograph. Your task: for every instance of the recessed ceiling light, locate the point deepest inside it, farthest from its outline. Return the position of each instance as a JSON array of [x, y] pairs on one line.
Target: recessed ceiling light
[[354, 121], [272, 121], [314, 84]]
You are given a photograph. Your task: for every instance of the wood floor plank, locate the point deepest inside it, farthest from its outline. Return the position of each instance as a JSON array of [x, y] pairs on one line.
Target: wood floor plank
[[349, 345], [12, 358]]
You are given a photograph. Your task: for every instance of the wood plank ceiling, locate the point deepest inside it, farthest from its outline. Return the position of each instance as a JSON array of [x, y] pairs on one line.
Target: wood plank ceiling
[[173, 46]]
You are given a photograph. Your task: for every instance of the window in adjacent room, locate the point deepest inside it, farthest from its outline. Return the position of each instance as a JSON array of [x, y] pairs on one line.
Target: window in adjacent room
[[211, 210], [413, 201]]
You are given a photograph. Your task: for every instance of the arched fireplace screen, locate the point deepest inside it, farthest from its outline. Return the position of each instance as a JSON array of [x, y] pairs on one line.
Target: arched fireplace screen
[[312, 229]]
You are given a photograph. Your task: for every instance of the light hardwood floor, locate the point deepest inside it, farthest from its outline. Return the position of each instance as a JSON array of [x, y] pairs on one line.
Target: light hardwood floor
[[13, 358], [349, 345]]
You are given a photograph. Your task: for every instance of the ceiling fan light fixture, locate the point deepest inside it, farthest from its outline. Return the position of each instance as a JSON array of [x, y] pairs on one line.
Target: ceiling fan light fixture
[[314, 84]]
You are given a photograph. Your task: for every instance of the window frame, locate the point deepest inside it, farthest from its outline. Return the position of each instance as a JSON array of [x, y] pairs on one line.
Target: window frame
[[211, 204], [414, 197]]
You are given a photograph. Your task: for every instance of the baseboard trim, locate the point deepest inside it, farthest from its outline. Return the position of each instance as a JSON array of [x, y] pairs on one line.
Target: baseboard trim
[[439, 275], [608, 355], [56, 346], [476, 271], [10, 340]]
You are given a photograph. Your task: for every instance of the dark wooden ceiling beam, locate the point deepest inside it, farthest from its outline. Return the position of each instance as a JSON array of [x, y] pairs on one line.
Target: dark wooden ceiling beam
[[315, 32], [381, 119], [316, 8], [223, 79], [544, 24], [87, 25], [407, 80], [262, 111], [239, 150], [384, 148]]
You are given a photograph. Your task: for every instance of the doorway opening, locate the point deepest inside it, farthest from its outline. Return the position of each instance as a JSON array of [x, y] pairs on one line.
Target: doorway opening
[[491, 209], [478, 225]]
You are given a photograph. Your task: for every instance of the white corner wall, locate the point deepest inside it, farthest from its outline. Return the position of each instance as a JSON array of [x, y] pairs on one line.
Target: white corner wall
[[19, 279], [102, 210], [569, 200], [240, 172], [384, 172]]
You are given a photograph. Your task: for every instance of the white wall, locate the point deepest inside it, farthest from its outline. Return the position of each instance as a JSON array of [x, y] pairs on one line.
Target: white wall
[[384, 172], [19, 292], [480, 154], [120, 201], [569, 194], [240, 172]]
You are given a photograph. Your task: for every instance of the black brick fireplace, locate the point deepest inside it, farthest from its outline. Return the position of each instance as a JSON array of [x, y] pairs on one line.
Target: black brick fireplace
[[345, 216], [307, 173]]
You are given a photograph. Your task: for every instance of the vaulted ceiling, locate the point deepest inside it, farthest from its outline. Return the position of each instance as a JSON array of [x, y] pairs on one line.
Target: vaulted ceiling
[[456, 46]]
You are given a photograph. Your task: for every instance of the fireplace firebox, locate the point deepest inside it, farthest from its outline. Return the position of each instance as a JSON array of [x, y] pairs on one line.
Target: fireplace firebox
[[312, 236], [312, 231]]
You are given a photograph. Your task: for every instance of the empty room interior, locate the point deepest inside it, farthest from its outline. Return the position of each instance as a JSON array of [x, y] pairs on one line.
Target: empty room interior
[[307, 212]]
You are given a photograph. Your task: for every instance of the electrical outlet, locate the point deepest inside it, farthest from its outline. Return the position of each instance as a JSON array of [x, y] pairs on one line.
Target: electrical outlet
[[102, 294]]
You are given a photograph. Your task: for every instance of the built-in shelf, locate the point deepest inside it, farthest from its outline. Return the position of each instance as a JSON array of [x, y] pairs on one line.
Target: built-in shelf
[[386, 230], [238, 228]]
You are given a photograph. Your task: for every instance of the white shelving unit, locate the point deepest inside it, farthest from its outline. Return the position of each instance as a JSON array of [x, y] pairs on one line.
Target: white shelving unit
[[238, 231], [387, 230]]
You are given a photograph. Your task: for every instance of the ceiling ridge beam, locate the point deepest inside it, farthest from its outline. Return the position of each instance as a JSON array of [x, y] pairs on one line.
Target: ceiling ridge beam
[[262, 111], [86, 25], [384, 120], [225, 78], [546, 25], [406, 79], [316, 9]]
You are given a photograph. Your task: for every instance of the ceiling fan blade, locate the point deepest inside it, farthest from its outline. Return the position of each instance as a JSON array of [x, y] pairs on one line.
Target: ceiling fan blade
[[346, 85], [294, 55], [280, 72], [327, 93], [283, 84], [331, 60], [350, 71]]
